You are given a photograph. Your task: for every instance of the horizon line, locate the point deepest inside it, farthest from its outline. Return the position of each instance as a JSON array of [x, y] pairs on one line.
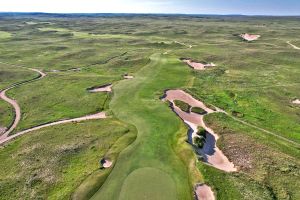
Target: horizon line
[[125, 13]]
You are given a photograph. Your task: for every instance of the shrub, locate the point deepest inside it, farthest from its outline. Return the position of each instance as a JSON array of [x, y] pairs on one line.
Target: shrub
[[201, 132], [199, 141], [199, 111], [183, 106], [237, 114]]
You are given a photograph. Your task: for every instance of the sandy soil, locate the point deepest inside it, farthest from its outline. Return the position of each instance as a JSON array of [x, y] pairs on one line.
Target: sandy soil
[[107, 164], [197, 65], [204, 192], [128, 77], [6, 138], [249, 37], [296, 101], [294, 46], [104, 88], [211, 153], [2, 130], [17, 111]]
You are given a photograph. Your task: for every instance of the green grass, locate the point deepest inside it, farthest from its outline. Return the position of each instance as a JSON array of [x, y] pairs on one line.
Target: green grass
[[51, 163], [183, 106], [255, 81], [6, 114], [5, 35], [137, 102], [59, 97], [198, 110], [266, 160]]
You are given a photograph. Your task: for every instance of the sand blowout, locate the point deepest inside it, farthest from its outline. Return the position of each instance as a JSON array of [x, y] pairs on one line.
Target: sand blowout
[[249, 37]]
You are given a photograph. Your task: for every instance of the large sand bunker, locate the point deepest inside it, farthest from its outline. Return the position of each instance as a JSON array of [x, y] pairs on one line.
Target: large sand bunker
[[249, 37], [103, 88], [296, 101], [6, 138], [204, 192], [198, 65], [210, 152]]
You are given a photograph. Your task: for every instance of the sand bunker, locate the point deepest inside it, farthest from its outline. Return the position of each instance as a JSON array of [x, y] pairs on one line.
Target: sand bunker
[[294, 46], [103, 88], [6, 138], [198, 65], [210, 152], [126, 76], [296, 101], [249, 37], [106, 163], [204, 192]]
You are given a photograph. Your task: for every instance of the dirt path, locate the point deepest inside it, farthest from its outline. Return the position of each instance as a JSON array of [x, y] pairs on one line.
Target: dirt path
[[183, 44], [103, 88], [294, 46], [14, 103], [210, 152], [5, 138]]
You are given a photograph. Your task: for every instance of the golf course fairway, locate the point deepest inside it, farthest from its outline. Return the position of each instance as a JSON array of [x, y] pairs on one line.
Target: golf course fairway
[[151, 157]]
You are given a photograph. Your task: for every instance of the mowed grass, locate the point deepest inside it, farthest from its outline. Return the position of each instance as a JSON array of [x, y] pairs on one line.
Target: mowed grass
[[137, 102], [51, 163]]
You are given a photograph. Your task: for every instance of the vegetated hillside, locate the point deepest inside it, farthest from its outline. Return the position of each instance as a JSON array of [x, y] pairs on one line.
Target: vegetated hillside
[[254, 82]]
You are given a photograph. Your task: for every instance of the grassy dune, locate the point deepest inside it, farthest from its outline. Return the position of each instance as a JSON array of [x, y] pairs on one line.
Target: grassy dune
[[51, 163]]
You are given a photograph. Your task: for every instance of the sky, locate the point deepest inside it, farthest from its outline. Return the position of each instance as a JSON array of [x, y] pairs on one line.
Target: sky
[[246, 7]]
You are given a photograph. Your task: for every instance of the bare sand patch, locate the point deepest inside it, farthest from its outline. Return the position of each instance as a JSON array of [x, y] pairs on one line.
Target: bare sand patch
[[6, 138], [198, 65], [103, 88], [296, 101], [126, 76], [249, 37], [204, 192], [210, 152], [106, 163]]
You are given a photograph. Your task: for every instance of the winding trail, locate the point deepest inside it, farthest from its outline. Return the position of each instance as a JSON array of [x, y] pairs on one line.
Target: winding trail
[[5, 138], [294, 46], [183, 44], [14, 103]]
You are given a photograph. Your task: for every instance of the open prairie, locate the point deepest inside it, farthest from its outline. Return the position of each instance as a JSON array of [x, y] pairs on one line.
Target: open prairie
[[85, 111]]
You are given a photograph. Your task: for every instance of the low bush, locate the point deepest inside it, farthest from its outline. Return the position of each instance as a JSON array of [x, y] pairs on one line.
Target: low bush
[[199, 110], [183, 106]]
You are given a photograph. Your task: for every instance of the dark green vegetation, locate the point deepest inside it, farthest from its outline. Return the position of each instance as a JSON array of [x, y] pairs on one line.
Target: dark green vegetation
[[53, 162], [254, 82], [198, 110], [183, 106]]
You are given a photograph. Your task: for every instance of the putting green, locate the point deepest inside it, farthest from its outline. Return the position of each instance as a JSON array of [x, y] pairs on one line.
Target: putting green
[[148, 183]]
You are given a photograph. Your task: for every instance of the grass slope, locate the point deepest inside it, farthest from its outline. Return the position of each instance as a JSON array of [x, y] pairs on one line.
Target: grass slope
[[51, 163]]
